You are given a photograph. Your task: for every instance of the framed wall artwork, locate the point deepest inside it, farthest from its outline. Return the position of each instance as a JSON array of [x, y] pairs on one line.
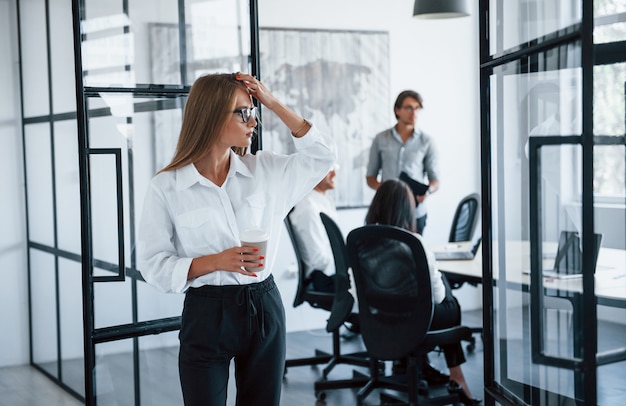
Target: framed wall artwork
[[338, 80]]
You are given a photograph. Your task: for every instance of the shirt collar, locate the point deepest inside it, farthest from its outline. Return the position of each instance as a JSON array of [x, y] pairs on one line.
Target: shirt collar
[[396, 134], [188, 175], [237, 166]]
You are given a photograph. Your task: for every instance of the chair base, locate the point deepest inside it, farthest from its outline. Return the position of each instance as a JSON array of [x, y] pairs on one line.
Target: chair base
[[321, 357], [356, 358], [416, 389], [358, 380]]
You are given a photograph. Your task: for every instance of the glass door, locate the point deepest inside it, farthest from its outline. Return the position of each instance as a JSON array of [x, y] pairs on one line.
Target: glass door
[[92, 142], [553, 263], [139, 58]]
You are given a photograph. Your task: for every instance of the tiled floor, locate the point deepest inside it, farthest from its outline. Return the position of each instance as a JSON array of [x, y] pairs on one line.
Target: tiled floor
[[26, 386]]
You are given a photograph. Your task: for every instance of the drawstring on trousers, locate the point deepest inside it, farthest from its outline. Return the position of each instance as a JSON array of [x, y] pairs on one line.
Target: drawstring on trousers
[[253, 313], [250, 296]]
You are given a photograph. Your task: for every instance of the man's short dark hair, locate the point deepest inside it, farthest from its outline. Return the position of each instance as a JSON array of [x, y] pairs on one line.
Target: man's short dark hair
[[405, 94]]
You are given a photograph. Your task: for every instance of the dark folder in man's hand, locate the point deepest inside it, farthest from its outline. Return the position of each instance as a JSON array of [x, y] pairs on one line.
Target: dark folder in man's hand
[[417, 187]]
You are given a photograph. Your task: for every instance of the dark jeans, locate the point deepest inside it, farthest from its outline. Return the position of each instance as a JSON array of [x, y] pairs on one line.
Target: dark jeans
[[420, 224], [448, 314], [220, 323]]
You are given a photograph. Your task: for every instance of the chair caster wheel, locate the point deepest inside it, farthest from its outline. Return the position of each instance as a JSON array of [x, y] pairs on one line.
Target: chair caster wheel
[[320, 395], [470, 347]]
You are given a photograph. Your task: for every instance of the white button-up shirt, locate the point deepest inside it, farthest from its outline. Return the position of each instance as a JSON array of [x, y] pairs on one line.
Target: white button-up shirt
[[310, 232], [418, 157], [186, 216]]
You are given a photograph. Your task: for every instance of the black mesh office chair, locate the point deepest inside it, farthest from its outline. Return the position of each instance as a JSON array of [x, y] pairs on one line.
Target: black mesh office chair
[[465, 219], [463, 226], [339, 304], [396, 306], [305, 293], [341, 313]]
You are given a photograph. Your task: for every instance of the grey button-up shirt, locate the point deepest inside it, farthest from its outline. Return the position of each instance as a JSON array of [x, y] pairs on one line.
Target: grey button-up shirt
[[418, 157]]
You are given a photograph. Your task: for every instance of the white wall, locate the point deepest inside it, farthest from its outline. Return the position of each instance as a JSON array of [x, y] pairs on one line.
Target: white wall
[[437, 58]]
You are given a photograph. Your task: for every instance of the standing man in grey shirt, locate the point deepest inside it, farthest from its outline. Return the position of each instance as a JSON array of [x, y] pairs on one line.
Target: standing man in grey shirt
[[404, 147]]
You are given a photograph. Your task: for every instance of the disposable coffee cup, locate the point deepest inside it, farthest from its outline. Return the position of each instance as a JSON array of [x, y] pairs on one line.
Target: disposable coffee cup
[[257, 238]]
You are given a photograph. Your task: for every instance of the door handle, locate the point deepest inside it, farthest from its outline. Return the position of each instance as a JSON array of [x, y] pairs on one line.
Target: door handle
[[120, 275], [536, 290]]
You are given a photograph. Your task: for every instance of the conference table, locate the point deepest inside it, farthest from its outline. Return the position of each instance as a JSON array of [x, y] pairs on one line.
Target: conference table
[[610, 275], [610, 284]]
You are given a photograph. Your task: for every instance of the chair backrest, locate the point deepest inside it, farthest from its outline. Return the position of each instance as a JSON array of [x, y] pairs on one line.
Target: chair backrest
[[393, 289], [342, 306], [304, 292], [465, 218]]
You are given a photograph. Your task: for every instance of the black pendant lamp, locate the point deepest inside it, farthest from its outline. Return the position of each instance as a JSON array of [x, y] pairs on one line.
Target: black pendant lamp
[[432, 9]]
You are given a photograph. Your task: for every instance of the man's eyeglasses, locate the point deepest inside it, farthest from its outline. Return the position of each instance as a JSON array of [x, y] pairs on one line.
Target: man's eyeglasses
[[246, 113], [411, 108]]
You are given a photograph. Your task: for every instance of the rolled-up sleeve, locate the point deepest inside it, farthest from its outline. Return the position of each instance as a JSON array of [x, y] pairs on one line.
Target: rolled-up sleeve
[[298, 173], [159, 262]]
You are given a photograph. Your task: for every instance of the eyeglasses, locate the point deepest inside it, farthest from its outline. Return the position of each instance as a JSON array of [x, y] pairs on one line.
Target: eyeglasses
[[411, 108], [246, 113]]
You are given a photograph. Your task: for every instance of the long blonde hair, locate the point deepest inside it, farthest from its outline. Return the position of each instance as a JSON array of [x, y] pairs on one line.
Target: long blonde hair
[[209, 108]]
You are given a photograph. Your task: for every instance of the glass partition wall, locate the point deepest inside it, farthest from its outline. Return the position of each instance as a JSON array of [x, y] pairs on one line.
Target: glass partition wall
[[553, 149], [103, 88]]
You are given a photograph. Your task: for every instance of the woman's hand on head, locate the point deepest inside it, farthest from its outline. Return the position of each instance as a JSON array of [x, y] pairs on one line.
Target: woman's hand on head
[[257, 90]]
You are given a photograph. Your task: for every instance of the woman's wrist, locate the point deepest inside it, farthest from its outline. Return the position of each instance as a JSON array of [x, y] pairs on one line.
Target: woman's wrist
[[303, 129]]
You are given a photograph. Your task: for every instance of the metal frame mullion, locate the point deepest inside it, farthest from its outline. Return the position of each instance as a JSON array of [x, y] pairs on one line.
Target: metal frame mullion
[[589, 308], [255, 66], [78, 8], [486, 208]]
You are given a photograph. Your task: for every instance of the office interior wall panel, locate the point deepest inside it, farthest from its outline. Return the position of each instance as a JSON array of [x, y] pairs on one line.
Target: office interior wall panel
[[159, 365], [519, 21], [39, 183], [34, 54], [62, 57], [153, 305], [114, 373], [112, 301], [71, 323], [67, 186], [145, 45], [43, 310]]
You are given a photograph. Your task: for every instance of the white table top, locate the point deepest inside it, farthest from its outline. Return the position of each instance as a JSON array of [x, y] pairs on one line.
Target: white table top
[[610, 276]]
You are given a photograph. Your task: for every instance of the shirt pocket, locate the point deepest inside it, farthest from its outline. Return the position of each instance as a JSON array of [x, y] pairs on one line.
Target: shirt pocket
[[192, 227], [250, 213]]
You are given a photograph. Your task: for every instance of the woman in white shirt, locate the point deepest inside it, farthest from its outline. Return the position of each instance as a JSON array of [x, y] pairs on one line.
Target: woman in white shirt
[[394, 204], [189, 242]]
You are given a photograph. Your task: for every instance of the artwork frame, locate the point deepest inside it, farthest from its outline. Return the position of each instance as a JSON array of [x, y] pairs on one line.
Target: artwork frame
[[337, 79]]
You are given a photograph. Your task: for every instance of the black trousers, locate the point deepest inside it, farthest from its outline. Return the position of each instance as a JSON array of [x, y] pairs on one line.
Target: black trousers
[[420, 224], [448, 314], [220, 323]]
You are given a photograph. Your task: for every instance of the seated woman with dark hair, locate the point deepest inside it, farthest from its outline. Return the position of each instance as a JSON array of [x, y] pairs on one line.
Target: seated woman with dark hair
[[394, 204]]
